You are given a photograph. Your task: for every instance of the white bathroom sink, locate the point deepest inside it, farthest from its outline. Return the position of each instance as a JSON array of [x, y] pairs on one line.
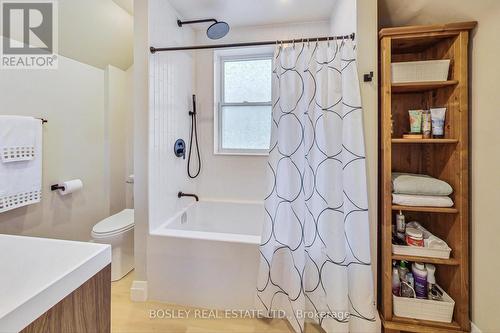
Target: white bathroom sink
[[36, 273]]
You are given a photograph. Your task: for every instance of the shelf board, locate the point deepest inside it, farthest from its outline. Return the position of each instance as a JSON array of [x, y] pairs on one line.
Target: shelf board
[[421, 86], [437, 261], [417, 325], [441, 141], [426, 209]]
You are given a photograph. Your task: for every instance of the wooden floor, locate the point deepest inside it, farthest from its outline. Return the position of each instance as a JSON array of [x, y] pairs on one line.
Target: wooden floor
[[128, 316]]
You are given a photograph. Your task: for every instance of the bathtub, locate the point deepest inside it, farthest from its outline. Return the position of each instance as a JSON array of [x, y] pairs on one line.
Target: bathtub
[[207, 256]]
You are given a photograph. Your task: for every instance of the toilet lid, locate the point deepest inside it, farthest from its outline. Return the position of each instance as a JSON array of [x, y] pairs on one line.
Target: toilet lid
[[121, 221]]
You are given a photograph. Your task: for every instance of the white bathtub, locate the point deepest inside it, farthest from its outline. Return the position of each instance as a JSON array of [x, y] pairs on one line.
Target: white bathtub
[[207, 256]]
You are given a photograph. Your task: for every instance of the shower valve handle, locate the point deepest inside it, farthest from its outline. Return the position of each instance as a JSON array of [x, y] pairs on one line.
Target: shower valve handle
[[180, 148]]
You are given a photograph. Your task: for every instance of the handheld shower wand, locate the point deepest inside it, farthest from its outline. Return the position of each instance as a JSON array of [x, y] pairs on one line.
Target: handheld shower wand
[[194, 133]]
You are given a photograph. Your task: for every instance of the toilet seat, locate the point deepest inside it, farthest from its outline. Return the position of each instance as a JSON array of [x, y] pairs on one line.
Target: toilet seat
[[114, 225]]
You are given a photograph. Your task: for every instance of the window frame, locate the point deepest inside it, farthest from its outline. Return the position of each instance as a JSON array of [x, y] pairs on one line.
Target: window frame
[[219, 94]]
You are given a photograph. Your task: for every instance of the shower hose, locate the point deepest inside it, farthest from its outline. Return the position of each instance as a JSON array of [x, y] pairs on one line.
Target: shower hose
[[194, 133]]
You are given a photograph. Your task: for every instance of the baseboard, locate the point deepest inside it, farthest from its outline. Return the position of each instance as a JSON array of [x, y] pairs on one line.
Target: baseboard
[[474, 328], [139, 291]]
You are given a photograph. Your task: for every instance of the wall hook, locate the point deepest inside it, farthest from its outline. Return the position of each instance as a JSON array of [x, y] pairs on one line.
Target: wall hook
[[368, 77]]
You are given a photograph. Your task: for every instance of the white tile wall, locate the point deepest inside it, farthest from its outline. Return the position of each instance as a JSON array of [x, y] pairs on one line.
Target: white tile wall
[[171, 86]]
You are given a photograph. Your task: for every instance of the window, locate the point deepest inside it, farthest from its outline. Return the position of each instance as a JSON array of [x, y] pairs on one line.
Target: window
[[243, 114]]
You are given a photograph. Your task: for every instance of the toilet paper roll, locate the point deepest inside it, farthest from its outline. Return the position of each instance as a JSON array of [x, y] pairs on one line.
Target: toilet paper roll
[[71, 186]]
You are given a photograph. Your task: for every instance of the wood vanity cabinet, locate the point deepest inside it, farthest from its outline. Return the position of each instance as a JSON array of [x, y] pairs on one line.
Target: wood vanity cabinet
[[87, 309]]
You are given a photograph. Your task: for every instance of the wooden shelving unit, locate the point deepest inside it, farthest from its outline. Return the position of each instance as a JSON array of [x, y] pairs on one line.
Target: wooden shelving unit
[[446, 159]]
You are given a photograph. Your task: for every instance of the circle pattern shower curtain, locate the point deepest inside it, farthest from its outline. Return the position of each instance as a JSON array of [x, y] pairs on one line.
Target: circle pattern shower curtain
[[315, 250]]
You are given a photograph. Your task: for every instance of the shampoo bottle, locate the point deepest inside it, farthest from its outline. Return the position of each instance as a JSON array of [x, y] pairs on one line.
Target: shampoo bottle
[[420, 276]]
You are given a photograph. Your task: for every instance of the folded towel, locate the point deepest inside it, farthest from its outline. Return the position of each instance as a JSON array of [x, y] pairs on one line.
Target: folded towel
[[21, 182], [17, 138], [409, 183], [421, 200]]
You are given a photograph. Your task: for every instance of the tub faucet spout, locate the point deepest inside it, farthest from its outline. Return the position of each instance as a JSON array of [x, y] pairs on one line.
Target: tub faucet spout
[[181, 194]]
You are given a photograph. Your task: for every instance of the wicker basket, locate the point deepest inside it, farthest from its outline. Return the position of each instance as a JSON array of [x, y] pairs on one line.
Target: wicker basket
[[420, 71], [421, 251], [424, 309]]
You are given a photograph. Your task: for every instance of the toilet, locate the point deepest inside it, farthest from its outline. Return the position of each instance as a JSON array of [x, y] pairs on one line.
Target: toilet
[[117, 230]]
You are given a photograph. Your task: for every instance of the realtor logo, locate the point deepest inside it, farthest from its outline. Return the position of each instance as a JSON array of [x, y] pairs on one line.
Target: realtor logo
[[29, 34]]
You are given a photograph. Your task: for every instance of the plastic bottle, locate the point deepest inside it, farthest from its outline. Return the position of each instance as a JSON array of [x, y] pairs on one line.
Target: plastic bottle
[[403, 270], [433, 291], [396, 284], [400, 225], [420, 276], [400, 222], [407, 286], [426, 124], [411, 283], [431, 279], [414, 237]]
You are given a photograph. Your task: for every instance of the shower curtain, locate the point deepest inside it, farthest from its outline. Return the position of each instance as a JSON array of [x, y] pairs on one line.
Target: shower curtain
[[315, 249]]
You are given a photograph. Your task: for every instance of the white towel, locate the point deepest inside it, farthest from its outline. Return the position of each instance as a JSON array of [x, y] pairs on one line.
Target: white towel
[[21, 181], [421, 200], [17, 138]]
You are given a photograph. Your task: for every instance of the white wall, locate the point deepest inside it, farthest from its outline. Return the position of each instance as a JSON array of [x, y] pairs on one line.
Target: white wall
[[96, 32], [141, 136], [171, 86], [235, 177], [72, 98], [116, 118], [341, 21], [129, 137]]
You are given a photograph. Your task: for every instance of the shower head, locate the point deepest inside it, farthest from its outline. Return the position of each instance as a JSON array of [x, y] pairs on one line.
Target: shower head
[[217, 30]]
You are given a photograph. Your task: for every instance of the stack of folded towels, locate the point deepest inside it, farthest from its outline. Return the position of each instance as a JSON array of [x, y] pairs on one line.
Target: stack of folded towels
[[420, 190]]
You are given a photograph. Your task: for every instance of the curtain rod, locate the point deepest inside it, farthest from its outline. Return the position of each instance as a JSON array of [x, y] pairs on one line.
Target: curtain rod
[[220, 46]]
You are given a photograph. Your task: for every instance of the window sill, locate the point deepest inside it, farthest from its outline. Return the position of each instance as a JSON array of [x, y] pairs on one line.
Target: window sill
[[236, 153]]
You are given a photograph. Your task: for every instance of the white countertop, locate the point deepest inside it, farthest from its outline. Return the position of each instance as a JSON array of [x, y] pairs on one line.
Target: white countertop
[[36, 273]]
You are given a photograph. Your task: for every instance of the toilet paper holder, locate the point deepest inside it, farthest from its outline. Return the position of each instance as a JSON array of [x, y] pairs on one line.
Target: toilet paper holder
[[67, 187], [56, 187]]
